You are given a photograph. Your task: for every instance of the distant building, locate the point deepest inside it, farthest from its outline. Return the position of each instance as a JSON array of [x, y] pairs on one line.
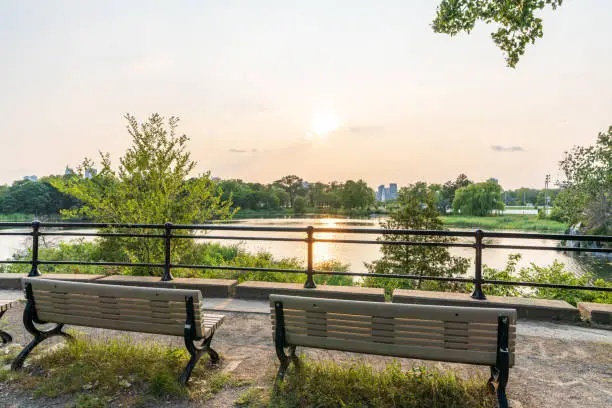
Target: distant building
[[386, 193], [493, 180], [68, 171], [89, 173], [380, 193], [392, 191], [30, 178], [305, 184]]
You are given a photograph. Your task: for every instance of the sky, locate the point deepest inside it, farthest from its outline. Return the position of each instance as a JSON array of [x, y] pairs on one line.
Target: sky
[[326, 90]]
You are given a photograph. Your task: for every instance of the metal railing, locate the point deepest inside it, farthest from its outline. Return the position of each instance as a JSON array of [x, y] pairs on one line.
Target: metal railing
[[310, 239]]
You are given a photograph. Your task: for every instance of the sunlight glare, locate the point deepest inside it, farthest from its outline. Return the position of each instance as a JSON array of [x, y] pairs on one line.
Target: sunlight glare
[[324, 123]]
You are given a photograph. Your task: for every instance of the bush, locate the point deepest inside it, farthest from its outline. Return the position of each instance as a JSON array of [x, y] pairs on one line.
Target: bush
[[554, 273]]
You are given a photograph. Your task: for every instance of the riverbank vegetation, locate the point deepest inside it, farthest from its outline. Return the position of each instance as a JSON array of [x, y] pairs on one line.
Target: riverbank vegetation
[[525, 222]]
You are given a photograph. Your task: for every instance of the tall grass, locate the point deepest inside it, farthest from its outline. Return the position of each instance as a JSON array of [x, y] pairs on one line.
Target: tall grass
[[328, 384]]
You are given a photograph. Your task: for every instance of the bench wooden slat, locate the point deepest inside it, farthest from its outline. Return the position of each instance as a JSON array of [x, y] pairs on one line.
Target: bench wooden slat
[[417, 338], [467, 331], [437, 343], [127, 325], [395, 334], [132, 292], [360, 308], [105, 308], [385, 323], [426, 353]]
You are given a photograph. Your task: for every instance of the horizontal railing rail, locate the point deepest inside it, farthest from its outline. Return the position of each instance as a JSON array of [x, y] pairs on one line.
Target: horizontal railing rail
[[168, 229]]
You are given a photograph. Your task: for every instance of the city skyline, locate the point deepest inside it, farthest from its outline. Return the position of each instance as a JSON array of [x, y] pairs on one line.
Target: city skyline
[[350, 90]]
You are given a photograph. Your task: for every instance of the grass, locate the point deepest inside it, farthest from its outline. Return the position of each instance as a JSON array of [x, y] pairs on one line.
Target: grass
[[254, 397], [528, 222], [327, 384], [16, 217], [93, 372], [99, 373]]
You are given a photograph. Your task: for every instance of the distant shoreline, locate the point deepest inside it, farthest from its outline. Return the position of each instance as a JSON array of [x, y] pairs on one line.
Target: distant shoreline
[[525, 222]]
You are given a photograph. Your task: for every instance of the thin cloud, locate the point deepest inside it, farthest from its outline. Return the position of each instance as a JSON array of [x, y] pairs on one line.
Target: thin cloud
[[499, 148], [242, 150], [364, 129]]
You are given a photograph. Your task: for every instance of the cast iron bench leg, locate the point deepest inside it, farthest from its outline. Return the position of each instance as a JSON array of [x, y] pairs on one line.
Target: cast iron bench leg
[[29, 317], [6, 338], [500, 372], [194, 350], [196, 353]]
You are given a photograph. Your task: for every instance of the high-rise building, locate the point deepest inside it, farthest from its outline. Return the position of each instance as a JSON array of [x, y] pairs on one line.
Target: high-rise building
[[380, 193], [386, 193], [392, 191]]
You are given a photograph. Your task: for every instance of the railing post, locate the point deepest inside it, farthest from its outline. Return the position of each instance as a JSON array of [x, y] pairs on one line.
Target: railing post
[[167, 240], [478, 293], [310, 284], [35, 234]]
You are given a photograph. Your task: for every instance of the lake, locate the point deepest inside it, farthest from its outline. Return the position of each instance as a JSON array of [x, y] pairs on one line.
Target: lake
[[356, 254]]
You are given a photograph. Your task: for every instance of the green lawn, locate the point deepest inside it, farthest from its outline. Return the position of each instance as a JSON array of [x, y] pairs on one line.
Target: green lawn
[[529, 222], [17, 217]]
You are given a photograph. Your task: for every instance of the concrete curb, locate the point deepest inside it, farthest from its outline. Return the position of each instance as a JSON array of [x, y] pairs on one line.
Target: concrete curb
[[261, 290], [527, 308], [218, 288]]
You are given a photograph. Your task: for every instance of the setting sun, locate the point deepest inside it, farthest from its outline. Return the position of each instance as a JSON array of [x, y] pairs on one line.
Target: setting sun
[[324, 123]]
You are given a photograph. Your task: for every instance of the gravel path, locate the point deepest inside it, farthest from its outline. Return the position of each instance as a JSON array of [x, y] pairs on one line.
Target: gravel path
[[556, 365]]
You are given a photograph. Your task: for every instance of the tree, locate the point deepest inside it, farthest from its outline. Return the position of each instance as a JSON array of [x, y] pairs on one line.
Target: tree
[[293, 185], [357, 195], [416, 209], [588, 185], [448, 192], [299, 205], [150, 186], [35, 197], [478, 199], [516, 19]]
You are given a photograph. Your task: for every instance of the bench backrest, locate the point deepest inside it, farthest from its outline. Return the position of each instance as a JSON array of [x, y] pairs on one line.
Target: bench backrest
[[444, 333], [130, 308]]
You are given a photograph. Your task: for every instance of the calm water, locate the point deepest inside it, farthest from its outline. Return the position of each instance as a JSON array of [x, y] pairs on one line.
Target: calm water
[[356, 254]]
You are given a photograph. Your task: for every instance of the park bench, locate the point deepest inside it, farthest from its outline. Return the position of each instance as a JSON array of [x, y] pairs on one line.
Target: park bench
[[5, 305], [471, 335], [174, 312]]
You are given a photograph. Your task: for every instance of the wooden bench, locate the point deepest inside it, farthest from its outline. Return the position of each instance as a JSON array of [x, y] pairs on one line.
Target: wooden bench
[[5, 305], [471, 335], [175, 312]]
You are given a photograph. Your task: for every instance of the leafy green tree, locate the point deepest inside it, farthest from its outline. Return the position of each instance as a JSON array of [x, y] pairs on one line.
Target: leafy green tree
[[588, 186], [478, 199], [356, 195], [293, 185], [299, 205], [35, 197], [447, 192], [150, 186], [416, 210], [516, 20]]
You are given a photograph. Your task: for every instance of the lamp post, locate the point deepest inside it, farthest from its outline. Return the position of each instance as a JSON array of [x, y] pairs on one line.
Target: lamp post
[[546, 181]]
